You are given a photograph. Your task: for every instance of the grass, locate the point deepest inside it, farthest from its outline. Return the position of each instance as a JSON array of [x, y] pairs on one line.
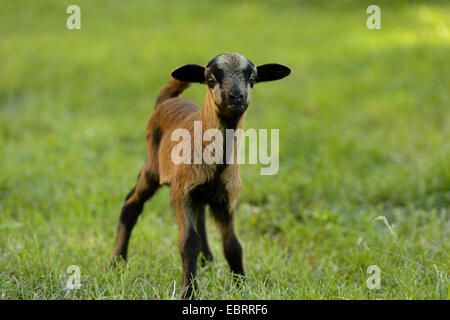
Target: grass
[[364, 125]]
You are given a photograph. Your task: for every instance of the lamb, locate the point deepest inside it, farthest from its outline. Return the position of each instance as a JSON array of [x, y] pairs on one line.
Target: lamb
[[230, 78]]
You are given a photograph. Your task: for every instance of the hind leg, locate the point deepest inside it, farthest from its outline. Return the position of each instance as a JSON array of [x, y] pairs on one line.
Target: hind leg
[[145, 188]]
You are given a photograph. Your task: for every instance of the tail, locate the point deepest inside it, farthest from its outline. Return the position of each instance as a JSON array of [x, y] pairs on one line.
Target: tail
[[171, 90]]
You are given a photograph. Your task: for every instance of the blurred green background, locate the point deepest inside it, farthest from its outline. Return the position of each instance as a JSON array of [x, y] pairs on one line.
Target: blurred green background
[[364, 123]]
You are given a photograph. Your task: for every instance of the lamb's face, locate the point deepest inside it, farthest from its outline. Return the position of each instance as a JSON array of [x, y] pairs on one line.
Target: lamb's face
[[230, 78]]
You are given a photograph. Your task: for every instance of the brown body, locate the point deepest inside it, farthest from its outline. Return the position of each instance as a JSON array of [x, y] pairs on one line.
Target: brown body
[[193, 186]]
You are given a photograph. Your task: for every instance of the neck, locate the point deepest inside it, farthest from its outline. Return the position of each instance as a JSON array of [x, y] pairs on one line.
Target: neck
[[211, 119]]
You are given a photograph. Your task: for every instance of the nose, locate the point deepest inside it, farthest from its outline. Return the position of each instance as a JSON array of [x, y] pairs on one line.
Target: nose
[[236, 96]]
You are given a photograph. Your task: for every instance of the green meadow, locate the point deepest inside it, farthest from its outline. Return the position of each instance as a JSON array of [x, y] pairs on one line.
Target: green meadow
[[364, 126]]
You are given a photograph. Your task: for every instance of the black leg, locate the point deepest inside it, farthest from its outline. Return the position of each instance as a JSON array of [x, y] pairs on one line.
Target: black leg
[[201, 231], [188, 242], [132, 208], [231, 245]]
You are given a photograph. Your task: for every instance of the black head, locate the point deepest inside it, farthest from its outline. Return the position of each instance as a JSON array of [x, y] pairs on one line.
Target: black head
[[230, 78]]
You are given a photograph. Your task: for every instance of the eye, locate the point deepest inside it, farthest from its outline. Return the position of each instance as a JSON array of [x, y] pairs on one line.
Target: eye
[[211, 81], [252, 80]]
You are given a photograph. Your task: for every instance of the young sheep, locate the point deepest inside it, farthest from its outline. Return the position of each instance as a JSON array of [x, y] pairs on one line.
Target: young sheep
[[230, 78]]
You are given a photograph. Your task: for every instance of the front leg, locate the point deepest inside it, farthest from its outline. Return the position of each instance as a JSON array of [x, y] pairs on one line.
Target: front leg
[[201, 231], [231, 246], [188, 243]]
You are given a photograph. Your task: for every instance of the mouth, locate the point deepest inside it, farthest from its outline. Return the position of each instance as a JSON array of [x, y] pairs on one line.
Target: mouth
[[233, 110], [237, 108]]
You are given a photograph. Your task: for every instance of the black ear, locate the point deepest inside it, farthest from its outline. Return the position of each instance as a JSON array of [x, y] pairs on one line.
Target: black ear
[[271, 71], [190, 73]]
